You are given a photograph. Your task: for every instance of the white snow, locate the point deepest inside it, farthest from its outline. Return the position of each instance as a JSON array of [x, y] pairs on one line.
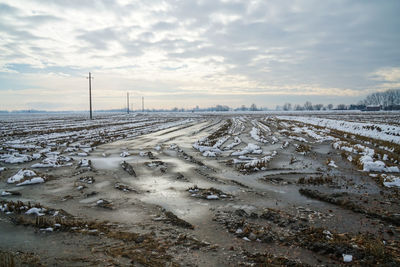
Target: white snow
[[375, 166], [249, 149], [2, 169], [347, 258], [84, 163], [54, 161], [34, 180], [124, 154], [298, 138], [377, 131], [157, 148], [212, 197], [209, 153], [235, 142], [5, 193], [391, 181], [36, 211], [332, 164], [48, 229], [21, 174], [255, 133], [15, 158]]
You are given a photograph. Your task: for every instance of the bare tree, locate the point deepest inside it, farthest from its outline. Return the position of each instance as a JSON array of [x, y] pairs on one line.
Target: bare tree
[[253, 107], [308, 106], [287, 106], [318, 106]]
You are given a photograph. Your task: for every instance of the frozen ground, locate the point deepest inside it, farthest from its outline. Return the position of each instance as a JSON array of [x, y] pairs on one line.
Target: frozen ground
[[200, 189]]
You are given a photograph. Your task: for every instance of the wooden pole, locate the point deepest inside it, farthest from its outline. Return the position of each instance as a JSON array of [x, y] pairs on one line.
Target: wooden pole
[[127, 102], [90, 94]]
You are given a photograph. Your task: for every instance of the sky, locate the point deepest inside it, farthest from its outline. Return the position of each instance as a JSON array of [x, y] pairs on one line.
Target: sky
[[187, 53]]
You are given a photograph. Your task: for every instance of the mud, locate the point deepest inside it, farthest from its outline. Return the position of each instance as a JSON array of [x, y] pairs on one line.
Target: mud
[[147, 197]]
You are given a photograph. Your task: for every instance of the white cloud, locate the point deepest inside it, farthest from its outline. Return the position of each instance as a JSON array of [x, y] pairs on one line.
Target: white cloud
[[387, 74], [203, 47]]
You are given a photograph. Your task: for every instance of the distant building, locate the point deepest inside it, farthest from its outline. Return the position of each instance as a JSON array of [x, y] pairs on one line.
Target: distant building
[[373, 108]]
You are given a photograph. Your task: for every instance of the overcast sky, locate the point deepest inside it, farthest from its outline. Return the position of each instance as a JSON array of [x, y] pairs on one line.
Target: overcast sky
[[187, 53]]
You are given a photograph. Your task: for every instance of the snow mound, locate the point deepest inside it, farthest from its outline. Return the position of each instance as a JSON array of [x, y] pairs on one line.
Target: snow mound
[[20, 175], [249, 149]]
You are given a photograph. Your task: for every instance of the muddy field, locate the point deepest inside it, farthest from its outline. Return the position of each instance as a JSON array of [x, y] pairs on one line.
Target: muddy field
[[188, 189]]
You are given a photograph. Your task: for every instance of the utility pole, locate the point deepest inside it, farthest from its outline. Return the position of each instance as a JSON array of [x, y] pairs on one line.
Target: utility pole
[[127, 102], [90, 93], [142, 103]]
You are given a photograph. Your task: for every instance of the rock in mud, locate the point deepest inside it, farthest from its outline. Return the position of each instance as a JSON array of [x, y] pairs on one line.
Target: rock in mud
[[128, 168]]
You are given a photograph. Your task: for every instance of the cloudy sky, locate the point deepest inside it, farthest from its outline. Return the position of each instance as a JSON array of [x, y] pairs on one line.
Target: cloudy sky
[[195, 52]]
